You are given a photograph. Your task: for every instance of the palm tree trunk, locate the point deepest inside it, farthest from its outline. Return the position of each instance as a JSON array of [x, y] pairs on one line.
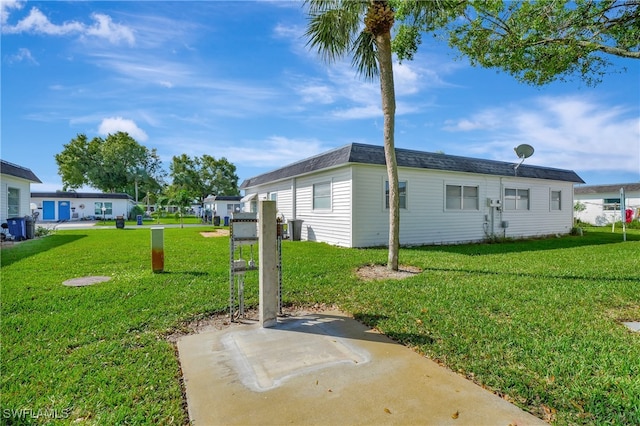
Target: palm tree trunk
[[383, 44]]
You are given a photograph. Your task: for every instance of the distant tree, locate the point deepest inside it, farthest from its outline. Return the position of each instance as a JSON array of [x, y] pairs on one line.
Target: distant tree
[[539, 41], [204, 176], [182, 199], [115, 164]]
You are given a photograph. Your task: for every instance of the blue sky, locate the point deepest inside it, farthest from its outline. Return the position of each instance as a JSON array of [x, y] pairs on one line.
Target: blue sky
[[236, 80]]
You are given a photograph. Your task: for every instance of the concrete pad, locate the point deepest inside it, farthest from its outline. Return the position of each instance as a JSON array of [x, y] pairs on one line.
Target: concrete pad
[[633, 325], [327, 369]]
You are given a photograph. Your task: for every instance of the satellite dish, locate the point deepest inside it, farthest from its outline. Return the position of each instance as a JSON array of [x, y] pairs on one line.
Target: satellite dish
[[524, 151]]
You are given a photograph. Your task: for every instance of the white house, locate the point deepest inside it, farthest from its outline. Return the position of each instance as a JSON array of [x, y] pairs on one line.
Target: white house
[[60, 205], [603, 202], [223, 205], [15, 191], [341, 196]]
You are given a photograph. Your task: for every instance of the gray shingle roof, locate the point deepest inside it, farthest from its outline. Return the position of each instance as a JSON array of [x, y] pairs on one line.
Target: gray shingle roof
[[71, 194], [371, 154], [7, 168], [600, 189]]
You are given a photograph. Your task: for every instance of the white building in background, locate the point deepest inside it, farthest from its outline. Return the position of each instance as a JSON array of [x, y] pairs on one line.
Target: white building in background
[[15, 190], [341, 196], [603, 202], [63, 206]]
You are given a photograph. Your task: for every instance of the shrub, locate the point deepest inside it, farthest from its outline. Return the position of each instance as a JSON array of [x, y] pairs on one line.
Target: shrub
[[135, 211]]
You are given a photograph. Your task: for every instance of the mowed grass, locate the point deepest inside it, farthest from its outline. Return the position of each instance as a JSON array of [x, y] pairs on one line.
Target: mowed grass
[[537, 322]]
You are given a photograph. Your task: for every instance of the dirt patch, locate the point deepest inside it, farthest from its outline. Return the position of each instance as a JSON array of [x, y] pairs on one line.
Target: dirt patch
[[380, 272], [216, 233]]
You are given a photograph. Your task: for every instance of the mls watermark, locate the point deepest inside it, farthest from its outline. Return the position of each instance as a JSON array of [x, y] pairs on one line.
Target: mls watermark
[[29, 413]]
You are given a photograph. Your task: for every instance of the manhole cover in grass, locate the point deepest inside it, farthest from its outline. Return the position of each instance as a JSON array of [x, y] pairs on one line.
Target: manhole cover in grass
[[633, 325], [84, 281]]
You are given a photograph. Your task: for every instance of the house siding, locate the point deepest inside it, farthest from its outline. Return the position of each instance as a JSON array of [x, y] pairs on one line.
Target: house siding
[[358, 216], [595, 213], [426, 220], [332, 225], [25, 192], [83, 208]]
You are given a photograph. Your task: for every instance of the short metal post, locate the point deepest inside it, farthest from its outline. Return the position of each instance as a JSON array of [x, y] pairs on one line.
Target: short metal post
[[157, 249]]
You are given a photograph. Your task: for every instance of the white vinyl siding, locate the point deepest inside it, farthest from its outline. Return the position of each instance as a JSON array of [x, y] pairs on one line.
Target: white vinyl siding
[[10, 186], [358, 216]]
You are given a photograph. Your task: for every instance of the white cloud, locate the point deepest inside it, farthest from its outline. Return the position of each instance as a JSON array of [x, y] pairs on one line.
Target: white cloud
[[23, 55], [275, 151], [118, 124], [6, 6], [566, 132], [105, 28], [36, 22]]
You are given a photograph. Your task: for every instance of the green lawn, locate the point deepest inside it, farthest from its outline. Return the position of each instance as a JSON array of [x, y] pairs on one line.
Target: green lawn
[[535, 321]]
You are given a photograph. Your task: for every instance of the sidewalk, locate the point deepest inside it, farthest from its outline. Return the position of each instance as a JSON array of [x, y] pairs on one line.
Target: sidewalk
[[327, 369]]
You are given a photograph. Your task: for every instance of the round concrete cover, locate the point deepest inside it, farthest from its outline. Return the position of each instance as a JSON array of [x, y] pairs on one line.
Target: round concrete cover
[[84, 281]]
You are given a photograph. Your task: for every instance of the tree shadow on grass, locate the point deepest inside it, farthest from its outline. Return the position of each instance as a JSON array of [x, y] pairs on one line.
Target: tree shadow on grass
[[29, 248], [524, 245]]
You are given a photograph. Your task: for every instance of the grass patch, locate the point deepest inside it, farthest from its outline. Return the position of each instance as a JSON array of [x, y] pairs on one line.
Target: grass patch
[[535, 321]]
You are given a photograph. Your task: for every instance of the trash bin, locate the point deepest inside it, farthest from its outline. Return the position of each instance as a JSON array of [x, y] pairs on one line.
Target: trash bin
[[120, 222], [30, 227], [17, 228], [216, 221], [295, 229], [139, 217], [226, 221]]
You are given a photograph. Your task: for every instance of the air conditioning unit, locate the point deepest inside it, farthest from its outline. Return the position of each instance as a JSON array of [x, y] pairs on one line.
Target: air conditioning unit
[[491, 202]]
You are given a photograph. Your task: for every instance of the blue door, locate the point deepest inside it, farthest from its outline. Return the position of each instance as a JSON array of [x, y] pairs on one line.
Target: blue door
[[48, 210], [64, 210]]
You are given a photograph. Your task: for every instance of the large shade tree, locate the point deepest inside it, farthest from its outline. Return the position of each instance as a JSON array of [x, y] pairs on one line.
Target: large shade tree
[[363, 31], [537, 41], [117, 163], [204, 176]]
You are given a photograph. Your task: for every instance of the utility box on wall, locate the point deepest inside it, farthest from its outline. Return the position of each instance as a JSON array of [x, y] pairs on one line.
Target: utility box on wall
[[494, 202]]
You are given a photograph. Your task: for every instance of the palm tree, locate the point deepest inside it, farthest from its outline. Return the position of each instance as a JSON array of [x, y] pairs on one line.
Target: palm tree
[[335, 30]]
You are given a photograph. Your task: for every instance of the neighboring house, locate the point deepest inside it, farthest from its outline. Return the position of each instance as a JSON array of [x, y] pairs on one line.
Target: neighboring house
[[342, 197], [602, 202], [16, 190], [223, 205], [60, 205]]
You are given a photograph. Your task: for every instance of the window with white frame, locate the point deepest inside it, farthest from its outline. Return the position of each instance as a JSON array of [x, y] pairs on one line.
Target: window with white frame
[[322, 196], [13, 202], [461, 197], [556, 200], [108, 208], [273, 196], [610, 204], [402, 193], [516, 199]]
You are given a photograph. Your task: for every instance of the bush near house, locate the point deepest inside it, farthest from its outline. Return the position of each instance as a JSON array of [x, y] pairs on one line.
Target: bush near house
[[537, 322]]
